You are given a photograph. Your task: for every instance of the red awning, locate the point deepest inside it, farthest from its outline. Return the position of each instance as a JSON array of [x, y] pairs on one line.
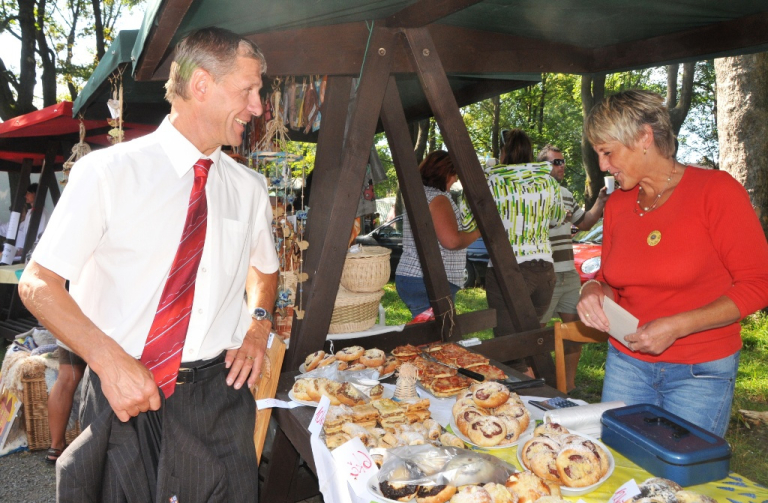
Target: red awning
[[18, 157]]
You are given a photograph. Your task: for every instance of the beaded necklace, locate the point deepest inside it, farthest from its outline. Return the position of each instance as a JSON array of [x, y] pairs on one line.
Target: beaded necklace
[[641, 210]]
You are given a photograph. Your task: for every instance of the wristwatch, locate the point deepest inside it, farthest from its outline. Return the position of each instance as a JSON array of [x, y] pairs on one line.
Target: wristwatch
[[260, 313]]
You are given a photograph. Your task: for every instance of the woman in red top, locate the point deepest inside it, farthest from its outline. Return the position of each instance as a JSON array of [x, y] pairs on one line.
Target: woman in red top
[[684, 252]]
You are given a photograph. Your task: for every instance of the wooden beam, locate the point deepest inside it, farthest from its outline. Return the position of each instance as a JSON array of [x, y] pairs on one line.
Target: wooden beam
[[304, 52], [47, 175], [426, 12], [689, 45], [435, 84], [475, 321], [421, 333], [157, 44], [330, 249], [415, 202]]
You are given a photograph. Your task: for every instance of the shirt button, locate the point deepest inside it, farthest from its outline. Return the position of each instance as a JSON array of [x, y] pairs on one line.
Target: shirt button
[[200, 311], [204, 269], [191, 351]]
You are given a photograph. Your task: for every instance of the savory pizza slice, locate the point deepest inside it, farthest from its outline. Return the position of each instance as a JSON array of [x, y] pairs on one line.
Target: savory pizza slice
[[490, 372]]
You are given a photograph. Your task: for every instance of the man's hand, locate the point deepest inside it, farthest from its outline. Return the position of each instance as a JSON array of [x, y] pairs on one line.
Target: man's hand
[[127, 384], [245, 362]]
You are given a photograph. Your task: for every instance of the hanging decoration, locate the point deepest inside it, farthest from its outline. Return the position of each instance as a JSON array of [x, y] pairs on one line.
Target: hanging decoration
[[115, 105], [79, 150]]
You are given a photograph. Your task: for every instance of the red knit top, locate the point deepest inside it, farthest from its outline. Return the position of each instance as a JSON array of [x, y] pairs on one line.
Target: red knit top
[[708, 243]]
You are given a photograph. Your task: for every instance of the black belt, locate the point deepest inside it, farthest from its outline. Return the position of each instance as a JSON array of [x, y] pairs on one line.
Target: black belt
[[205, 370]]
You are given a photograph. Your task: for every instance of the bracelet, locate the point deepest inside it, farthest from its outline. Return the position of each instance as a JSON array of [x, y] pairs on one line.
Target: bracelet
[[588, 282]]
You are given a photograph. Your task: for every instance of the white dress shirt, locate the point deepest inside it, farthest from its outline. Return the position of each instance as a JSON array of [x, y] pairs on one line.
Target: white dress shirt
[[116, 229]]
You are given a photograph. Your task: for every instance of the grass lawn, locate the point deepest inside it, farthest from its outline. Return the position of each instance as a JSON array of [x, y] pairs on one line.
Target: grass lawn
[[749, 443]]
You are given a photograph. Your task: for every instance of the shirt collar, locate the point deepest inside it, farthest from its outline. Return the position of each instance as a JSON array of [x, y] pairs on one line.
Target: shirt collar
[[182, 153]]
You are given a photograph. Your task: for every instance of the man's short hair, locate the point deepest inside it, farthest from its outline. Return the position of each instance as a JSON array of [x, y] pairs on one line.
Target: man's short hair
[[545, 150], [215, 50], [32, 188]]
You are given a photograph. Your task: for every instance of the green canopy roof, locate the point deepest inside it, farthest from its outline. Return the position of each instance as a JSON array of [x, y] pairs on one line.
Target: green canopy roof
[[143, 101], [503, 37]]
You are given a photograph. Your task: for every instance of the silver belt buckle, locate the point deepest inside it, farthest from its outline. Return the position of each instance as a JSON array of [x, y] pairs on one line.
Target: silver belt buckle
[[180, 370]]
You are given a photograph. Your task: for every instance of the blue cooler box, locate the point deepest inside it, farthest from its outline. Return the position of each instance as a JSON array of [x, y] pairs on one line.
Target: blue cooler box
[[666, 445]]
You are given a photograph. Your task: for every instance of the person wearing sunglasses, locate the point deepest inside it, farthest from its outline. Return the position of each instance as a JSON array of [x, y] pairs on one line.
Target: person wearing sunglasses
[[567, 281]]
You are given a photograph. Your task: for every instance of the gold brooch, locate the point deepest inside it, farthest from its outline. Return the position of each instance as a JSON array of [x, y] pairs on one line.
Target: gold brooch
[[654, 238]]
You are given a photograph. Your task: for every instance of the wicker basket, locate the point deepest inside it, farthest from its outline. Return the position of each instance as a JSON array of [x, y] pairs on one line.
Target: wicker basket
[[354, 312], [366, 271], [34, 397]]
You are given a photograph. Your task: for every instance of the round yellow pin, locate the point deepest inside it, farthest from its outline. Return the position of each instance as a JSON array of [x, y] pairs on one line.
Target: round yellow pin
[[654, 238]]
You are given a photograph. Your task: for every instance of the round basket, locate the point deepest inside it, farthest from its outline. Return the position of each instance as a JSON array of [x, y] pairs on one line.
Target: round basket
[[354, 312], [366, 271]]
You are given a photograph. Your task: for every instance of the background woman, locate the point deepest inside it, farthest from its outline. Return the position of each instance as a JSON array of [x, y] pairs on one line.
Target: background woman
[[683, 251], [437, 175], [529, 201]]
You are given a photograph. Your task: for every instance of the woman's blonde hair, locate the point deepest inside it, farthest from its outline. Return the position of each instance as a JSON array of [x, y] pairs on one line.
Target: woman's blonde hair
[[215, 50], [621, 117]]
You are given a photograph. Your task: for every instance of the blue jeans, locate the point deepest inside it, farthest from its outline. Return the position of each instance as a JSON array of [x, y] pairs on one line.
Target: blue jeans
[[413, 293], [701, 393]]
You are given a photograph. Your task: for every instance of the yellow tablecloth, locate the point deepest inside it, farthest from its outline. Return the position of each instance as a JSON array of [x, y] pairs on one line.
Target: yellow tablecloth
[[735, 488]]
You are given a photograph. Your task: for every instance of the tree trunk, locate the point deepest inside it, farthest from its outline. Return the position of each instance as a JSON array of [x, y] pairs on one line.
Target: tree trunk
[[542, 101], [742, 121], [495, 133], [47, 58], [98, 28], [420, 145], [592, 91], [432, 136], [27, 64], [678, 110]]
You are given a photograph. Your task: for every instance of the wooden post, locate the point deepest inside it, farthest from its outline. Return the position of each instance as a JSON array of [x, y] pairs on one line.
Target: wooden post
[[265, 387], [326, 255], [47, 176], [415, 201]]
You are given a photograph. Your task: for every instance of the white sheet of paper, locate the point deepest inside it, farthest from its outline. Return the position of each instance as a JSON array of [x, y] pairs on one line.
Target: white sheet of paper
[[626, 492], [355, 464], [621, 321], [319, 418], [13, 225], [270, 403]]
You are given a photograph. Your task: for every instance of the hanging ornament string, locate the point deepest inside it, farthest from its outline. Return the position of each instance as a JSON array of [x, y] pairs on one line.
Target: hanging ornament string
[[642, 210], [78, 151]]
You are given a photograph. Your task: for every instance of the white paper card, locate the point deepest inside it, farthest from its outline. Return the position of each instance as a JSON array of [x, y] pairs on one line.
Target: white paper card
[[355, 464], [621, 321], [271, 403], [13, 225], [319, 418], [626, 492]]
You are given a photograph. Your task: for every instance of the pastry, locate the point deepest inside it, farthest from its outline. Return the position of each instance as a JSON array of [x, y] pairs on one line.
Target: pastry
[[692, 497], [330, 389], [544, 465], [433, 429], [472, 494], [373, 358], [435, 494], [486, 431], [490, 372], [537, 445], [350, 353], [600, 453], [527, 487], [444, 387], [467, 416], [301, 389], [356, 366], [335, 418], [451, 440], [335, 440], [313, 360], [407, 351], [513, 429], [326, 361], [499, 493], [390, 365], [490, 394], [349, 395], [551, 499], [376, 392], [418, 416], [658, 490], [469, 469], [578, 466], [398, 491], [517, 411], [461, 404], [550, 428], [355, 430]]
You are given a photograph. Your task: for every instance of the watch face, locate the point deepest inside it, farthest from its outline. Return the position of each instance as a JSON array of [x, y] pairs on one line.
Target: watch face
[[260, 313]]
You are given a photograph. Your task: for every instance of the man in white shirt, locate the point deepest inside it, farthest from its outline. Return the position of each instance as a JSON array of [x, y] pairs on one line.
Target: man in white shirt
[[115, 235], [568, 283]]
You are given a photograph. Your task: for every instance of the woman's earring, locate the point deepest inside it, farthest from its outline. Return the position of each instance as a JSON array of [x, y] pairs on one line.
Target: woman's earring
[[645, 151]]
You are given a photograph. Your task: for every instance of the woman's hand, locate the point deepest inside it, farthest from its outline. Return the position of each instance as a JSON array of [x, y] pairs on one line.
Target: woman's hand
[[654, 337], [590, 307]]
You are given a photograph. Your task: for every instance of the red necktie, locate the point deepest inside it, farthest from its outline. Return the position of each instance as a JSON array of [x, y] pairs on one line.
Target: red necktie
[[162, 351]]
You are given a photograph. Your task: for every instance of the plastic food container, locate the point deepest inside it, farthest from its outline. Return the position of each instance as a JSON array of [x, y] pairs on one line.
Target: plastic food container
[[666, 445]]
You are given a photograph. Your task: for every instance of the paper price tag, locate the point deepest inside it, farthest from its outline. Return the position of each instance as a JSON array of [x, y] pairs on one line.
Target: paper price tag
[[271, 403], [270, 340], [474, 341], [626, 492], [355, 464], [319, 418]]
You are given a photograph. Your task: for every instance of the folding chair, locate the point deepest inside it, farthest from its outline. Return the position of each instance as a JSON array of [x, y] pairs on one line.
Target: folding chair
[[574, 331]]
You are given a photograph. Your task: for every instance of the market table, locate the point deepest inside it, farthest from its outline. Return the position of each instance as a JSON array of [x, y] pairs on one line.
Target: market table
[[283, 481], [11, 273]]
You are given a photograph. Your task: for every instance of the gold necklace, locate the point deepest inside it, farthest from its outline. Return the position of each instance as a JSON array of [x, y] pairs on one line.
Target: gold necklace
[[641, 210]]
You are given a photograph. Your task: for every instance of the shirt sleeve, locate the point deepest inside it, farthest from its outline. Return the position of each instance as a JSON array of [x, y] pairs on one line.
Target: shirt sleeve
[[740, 241], [468, 223], [557, 215], [78, 221], [263, 255]]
